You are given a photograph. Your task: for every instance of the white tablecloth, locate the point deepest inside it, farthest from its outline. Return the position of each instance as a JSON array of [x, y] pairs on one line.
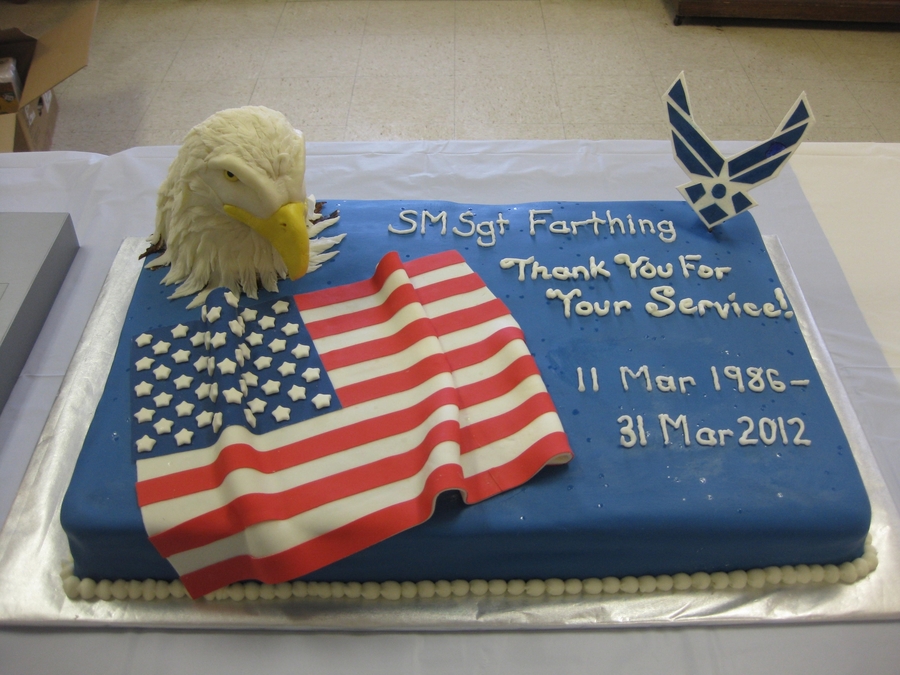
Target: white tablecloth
[[853, 190]]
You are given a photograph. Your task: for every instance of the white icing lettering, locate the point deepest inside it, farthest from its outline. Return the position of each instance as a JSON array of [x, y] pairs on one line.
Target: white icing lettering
[[553, 293], [405, 217], [467, 219], [442, 217], [681, 421], [643, 371], [662, 294], [507, 263], [532, 221]]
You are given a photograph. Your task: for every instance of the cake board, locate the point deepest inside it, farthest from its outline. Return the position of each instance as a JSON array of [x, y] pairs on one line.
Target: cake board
[[33, 545]]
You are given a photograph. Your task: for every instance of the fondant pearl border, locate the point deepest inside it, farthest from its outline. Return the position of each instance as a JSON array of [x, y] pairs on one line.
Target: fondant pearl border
[[786, 575]]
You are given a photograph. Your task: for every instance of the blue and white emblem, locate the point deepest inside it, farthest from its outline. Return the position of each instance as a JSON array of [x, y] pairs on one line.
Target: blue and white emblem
[[719, 185]]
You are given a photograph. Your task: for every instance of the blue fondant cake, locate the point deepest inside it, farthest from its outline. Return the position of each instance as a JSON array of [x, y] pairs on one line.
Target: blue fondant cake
[[702, 436]]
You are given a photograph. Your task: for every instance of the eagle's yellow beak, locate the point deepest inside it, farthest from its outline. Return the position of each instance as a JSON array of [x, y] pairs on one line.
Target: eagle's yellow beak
[[285, 230]]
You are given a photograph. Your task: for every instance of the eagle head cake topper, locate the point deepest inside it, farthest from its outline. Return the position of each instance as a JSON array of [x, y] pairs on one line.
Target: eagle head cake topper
[[718, 187], [233, 209]]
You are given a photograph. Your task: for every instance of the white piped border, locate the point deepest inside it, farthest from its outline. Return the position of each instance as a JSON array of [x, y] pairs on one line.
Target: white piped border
[[786, 575]]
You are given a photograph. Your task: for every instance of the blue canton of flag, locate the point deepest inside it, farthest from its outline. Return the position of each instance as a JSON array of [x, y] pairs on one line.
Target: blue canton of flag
[[255, 367]]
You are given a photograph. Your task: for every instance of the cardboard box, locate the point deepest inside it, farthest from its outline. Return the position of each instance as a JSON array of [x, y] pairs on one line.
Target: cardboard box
[[50, 41]]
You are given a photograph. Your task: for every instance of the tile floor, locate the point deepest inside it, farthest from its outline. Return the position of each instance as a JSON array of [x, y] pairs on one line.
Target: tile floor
[[468, 69]]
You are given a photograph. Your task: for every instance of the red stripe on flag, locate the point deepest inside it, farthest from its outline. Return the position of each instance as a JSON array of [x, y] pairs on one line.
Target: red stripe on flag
[[471, 316], [497, 385], [251, 509], [398, 299], [328, 548], [433, 262], [484, 349], [243, 456], [386, 346], [448, 288], [392, 383], [506, 424], [389, 264]]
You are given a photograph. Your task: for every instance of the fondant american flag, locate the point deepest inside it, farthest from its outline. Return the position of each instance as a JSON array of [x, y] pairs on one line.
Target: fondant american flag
[[436, 391]]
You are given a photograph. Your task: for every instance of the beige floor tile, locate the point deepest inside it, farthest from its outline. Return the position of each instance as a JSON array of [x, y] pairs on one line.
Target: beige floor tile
[[512, 98], [325, 17], [236, 20], [322, 134], [530, 132], [580, 17], [625, 131], [646, 13], [477, 55], [855, 67], [147, 22], [104, 142], [181, 105], [202, 60], [670, 49], [870, 41], [410, 55], [867, 134], [108, 107], [402, 17], [313, 56], [385, 102], [398, 131], [137, 62], [880, 100], [831, 101], [498, 17], [307, 101], [609, 100], [165, 136], [779, 53], [890, 135], [721, 97], [585, 55]]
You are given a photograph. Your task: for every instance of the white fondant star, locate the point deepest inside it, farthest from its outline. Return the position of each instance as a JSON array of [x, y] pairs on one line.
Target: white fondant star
[[201, 364], [144, 415], [202, 391], [162, 372], [311, 374], [210, 365], [184, 409], [297, 392], [290, 329], [231, 299], [226, 366], [243, 386], [217, 422], [257, 405], [254, 339], [198, 338], [183, 381], [245, 350], [143, 364], [277, 345], [281, 414], [181, 356], [250, 378], [179, 331], [204, 419], [280, 307], [250, 417], [239, 357], [237, 327], [219, 340], [233, 395], [271, 387], [248, 314], [321, 401], [161, 347], [162, 400], [163, 426], [263, 362], [288, 368], [266, 322], [214, 392], [145, 443], [301, 351], [143, 389], [143, 339], [213, 314], [184, 437]]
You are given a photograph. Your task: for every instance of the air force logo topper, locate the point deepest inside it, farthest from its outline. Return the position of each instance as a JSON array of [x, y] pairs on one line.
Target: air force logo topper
[[718, 187]]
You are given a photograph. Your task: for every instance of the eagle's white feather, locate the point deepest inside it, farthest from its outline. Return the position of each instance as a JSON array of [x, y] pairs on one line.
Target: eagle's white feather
[[205, 247]]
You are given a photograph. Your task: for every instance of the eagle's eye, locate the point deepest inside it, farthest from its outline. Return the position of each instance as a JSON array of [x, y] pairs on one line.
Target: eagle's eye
[[230, 176]]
